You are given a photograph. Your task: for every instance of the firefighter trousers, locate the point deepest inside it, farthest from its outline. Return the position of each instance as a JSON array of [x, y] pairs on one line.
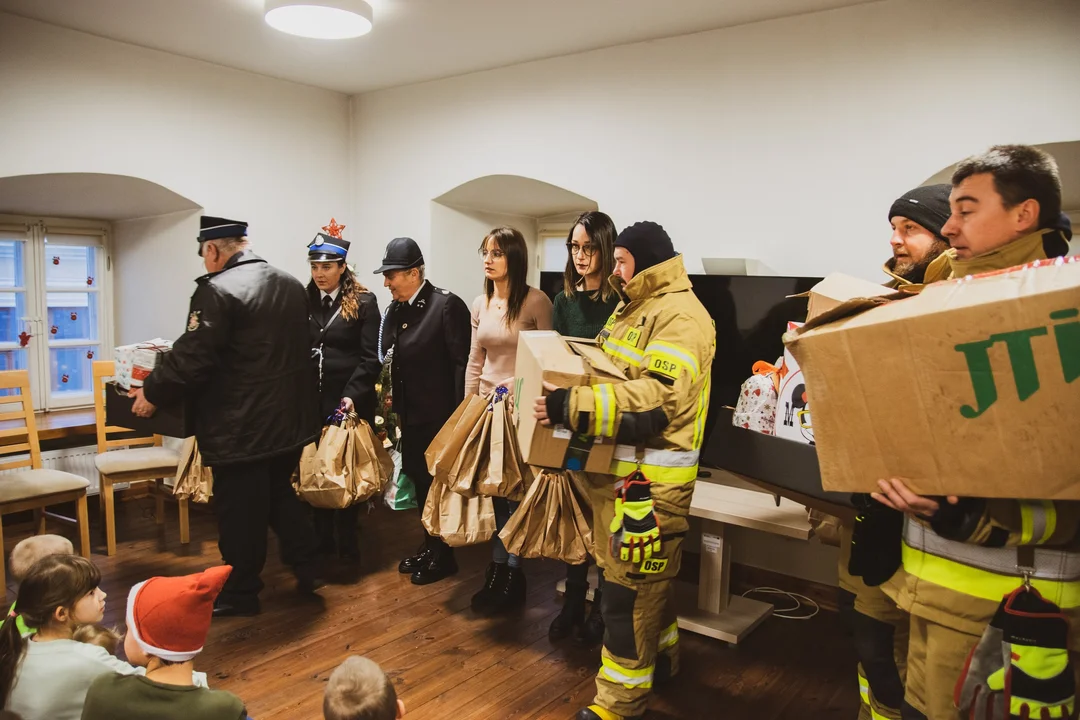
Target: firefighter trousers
[[880, 636], [640, 629]]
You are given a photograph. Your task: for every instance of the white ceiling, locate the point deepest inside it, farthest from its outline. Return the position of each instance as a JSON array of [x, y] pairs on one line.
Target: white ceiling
[[515, 195], [412, 40], [88, 196]]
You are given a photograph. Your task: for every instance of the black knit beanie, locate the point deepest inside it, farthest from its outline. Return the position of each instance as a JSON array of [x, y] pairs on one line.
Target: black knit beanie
[[928, 206], [648, 243]]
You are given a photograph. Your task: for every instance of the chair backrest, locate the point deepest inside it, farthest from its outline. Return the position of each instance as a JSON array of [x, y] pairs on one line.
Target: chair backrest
[[17, 428], [104, 370]]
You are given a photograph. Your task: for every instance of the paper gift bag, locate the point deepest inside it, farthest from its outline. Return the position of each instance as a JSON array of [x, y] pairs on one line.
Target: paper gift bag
[[464, 472], [370, 464], [194, 481], [323, 479], [504, 474], [551, 522], [446, 446], [458, 520]]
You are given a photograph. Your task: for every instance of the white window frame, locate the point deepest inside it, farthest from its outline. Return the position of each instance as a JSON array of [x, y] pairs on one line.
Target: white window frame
[[35, 233]]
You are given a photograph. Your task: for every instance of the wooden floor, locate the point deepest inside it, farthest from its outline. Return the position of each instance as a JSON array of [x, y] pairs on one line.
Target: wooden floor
[[449, 664]]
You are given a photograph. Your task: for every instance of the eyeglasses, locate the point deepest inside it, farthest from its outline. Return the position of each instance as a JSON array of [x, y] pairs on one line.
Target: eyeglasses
[[495, 254], [585, 250]]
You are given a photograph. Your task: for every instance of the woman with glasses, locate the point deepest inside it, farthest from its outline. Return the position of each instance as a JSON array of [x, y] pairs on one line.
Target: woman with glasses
[[581, 309], [507, 306]]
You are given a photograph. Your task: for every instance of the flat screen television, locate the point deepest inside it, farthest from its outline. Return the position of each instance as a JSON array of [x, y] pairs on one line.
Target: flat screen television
[[751, 313]]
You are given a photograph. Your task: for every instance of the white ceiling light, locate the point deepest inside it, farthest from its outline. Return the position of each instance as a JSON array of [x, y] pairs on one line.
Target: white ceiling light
[[321, 19]]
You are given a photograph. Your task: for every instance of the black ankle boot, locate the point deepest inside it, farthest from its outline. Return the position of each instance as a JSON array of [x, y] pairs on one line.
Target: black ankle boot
[[441, 565], [414, 562], [495, 579], [592, 630], [572, 615], [510, 595]]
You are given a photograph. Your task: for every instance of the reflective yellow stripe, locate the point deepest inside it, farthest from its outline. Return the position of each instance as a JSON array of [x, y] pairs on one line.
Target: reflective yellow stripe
[[702, 413], [1038, 520], [674, 352], [982, 583], [864, 689], [1027, 522], [604, 416], [669, 637], [1051, 521], [656, 473], [875, 715], [623, 351], [627, 677]]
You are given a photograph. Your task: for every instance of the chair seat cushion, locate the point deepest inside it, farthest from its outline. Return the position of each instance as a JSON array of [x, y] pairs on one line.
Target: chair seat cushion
[[30, 483], [134, 459]]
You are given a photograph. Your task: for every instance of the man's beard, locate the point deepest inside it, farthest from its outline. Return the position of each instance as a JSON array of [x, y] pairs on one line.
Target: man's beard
[[914, 272]]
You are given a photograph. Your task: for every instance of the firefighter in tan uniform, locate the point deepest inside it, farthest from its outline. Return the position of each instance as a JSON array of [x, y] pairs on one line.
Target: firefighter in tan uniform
[[962, 556], [878, 627], [664, 340]]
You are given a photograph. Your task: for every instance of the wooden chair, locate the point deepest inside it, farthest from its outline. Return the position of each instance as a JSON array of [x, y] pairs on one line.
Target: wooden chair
[[142, 459], [34, 488]]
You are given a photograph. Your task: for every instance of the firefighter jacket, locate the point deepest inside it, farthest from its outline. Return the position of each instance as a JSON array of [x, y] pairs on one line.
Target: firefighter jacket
[[664, 340], [958, 566], [895, 281]]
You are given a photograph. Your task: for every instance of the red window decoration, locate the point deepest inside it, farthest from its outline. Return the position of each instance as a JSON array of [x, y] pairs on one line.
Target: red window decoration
[[64, 378], [55, 259], [89, 281], [54, 329], [24, 338], [74, 316], [89, 354]]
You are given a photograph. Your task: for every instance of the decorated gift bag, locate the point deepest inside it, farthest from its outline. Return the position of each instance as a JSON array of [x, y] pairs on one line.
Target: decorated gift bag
[[344, 468], [552, 521], [756, 408], [504, 474], [457, 519], [194, 481], [401, 493]]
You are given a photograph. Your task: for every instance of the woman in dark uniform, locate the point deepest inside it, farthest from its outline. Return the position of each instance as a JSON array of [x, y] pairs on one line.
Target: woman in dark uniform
[[344, 322]]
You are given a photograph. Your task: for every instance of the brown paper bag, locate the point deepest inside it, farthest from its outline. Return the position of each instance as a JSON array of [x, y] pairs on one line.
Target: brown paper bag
[[504, 474], [442, 451], [466, 470], [551, 522], [371, 465], [194, 481], [458, 520], [323, 479]]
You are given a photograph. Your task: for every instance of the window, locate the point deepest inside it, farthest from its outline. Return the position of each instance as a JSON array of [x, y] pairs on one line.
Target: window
[[54, 309]]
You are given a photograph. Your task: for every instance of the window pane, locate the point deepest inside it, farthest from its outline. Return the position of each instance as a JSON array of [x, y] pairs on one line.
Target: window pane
[[73, 315], [72, 370], [12, 311], [12, 360], [70, 266], [11, 263]]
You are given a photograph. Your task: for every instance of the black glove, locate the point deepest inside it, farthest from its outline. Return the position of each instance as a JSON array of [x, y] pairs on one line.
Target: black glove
[[875, 540], [557, 410]]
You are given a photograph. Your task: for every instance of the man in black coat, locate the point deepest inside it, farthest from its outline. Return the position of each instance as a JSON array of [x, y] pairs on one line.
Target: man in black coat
[[429, 330], [243, 368]]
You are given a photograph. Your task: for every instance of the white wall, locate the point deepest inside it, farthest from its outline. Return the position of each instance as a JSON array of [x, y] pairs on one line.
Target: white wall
[[785, 141], [240, 145], [452, 260]]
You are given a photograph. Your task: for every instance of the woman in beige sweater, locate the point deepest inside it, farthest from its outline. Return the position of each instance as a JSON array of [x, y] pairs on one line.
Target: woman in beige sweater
[[507, 307]]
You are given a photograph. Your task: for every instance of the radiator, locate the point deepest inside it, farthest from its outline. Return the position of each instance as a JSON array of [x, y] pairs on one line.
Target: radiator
[[77, 461]]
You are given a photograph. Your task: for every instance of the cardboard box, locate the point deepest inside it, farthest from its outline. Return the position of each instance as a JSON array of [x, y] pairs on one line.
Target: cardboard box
[[170, 422], [134, 363], [543, 355], [969, 388], [836, 289]]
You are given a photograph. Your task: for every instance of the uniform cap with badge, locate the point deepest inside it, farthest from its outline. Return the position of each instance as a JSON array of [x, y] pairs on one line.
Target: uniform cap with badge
[[329, 246], [217, 228], [401, 254]]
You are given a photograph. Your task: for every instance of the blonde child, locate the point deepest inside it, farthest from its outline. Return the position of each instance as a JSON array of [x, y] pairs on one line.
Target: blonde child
[[359, 690], [99, 635], [27, 552], [168, 619]]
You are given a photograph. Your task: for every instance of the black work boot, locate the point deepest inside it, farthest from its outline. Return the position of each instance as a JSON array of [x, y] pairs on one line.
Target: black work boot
[[510, 595], [441, 564], [572, 615], [595, 712], [494, 580], [592, 631]]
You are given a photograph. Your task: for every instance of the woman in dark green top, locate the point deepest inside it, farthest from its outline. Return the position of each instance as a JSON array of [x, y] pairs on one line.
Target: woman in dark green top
[[581, 309]]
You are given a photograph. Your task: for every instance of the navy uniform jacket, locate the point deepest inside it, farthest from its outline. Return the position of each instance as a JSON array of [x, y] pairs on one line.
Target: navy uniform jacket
[[243, 367], [431, 339], [349, 349]]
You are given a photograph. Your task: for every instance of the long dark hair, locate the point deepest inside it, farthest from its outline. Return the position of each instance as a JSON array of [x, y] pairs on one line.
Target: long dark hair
[[512, 243], [601, 231], [351, 289], [53, 582]]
